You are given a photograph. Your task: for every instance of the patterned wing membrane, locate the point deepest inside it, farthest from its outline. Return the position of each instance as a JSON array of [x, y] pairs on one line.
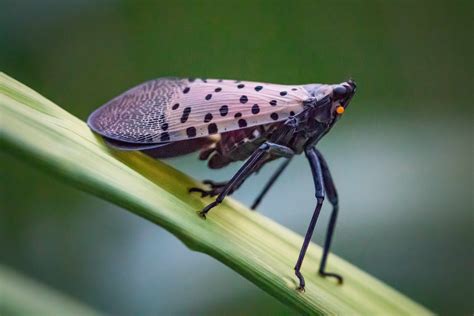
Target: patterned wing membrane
[[172, 109]]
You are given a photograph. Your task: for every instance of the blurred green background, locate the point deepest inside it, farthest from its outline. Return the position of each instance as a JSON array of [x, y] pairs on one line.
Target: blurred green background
[[401, 157]]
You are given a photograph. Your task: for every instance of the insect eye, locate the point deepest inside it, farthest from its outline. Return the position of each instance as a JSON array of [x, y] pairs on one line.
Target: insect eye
[[339, 91]]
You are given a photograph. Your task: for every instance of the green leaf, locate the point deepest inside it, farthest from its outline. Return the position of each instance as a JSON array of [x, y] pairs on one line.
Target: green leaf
[[259, 249], [20, 295]]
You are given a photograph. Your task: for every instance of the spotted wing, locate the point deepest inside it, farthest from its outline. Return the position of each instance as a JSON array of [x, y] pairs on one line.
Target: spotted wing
[[171, 109]]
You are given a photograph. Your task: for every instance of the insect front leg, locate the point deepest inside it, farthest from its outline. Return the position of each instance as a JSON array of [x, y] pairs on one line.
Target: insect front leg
[[247, 169], [319, 188], [289, 127], [331, 193]]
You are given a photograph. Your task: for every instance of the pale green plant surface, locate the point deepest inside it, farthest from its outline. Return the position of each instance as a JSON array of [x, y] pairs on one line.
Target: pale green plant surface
[[259, 249], [20, 295]]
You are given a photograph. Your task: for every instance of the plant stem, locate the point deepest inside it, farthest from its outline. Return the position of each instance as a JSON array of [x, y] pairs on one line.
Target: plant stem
[[20, 295]]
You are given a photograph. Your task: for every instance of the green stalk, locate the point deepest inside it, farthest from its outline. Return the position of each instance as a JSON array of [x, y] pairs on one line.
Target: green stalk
[[20, 295], [254, 246]]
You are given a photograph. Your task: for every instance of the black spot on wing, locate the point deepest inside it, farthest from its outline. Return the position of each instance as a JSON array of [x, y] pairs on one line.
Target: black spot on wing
[[212, 128], [255, 109], [191, 131], [208, 118], [164, 137], [224, 110], [185, 115], [242, 123]]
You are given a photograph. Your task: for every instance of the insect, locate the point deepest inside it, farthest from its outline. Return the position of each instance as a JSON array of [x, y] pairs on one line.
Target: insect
[[228, 121]]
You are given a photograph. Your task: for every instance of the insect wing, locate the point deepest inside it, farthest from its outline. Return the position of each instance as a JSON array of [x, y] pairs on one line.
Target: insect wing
[[171, 109], [138, 115]]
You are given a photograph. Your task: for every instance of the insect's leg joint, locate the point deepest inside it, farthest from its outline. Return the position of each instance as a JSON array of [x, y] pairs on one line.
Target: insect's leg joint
[[292, 122], [278, 150], [316, 170]]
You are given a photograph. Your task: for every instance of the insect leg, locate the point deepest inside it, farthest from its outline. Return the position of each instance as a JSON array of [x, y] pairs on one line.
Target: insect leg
[[319, 188], [270, 183], [290, 126], [213, 183], [215, 188], [237, 179], [247, 169], [333, 199]]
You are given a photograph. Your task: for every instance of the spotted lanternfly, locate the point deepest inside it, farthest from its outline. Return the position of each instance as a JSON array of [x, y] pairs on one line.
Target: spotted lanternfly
[[229, 120]]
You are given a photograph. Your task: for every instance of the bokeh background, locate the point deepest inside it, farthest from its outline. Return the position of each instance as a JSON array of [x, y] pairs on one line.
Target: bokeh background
[[401, 156]]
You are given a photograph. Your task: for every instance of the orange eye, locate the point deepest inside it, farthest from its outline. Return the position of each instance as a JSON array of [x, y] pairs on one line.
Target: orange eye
[[340, 109]]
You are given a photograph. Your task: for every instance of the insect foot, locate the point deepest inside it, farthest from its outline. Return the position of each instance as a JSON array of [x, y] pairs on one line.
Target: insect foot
[[207, 209], [301, 279], [216, 188], [203, 192], [340, 279]]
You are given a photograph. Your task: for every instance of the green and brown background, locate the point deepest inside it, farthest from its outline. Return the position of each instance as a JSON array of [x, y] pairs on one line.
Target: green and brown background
[[401, 156]]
